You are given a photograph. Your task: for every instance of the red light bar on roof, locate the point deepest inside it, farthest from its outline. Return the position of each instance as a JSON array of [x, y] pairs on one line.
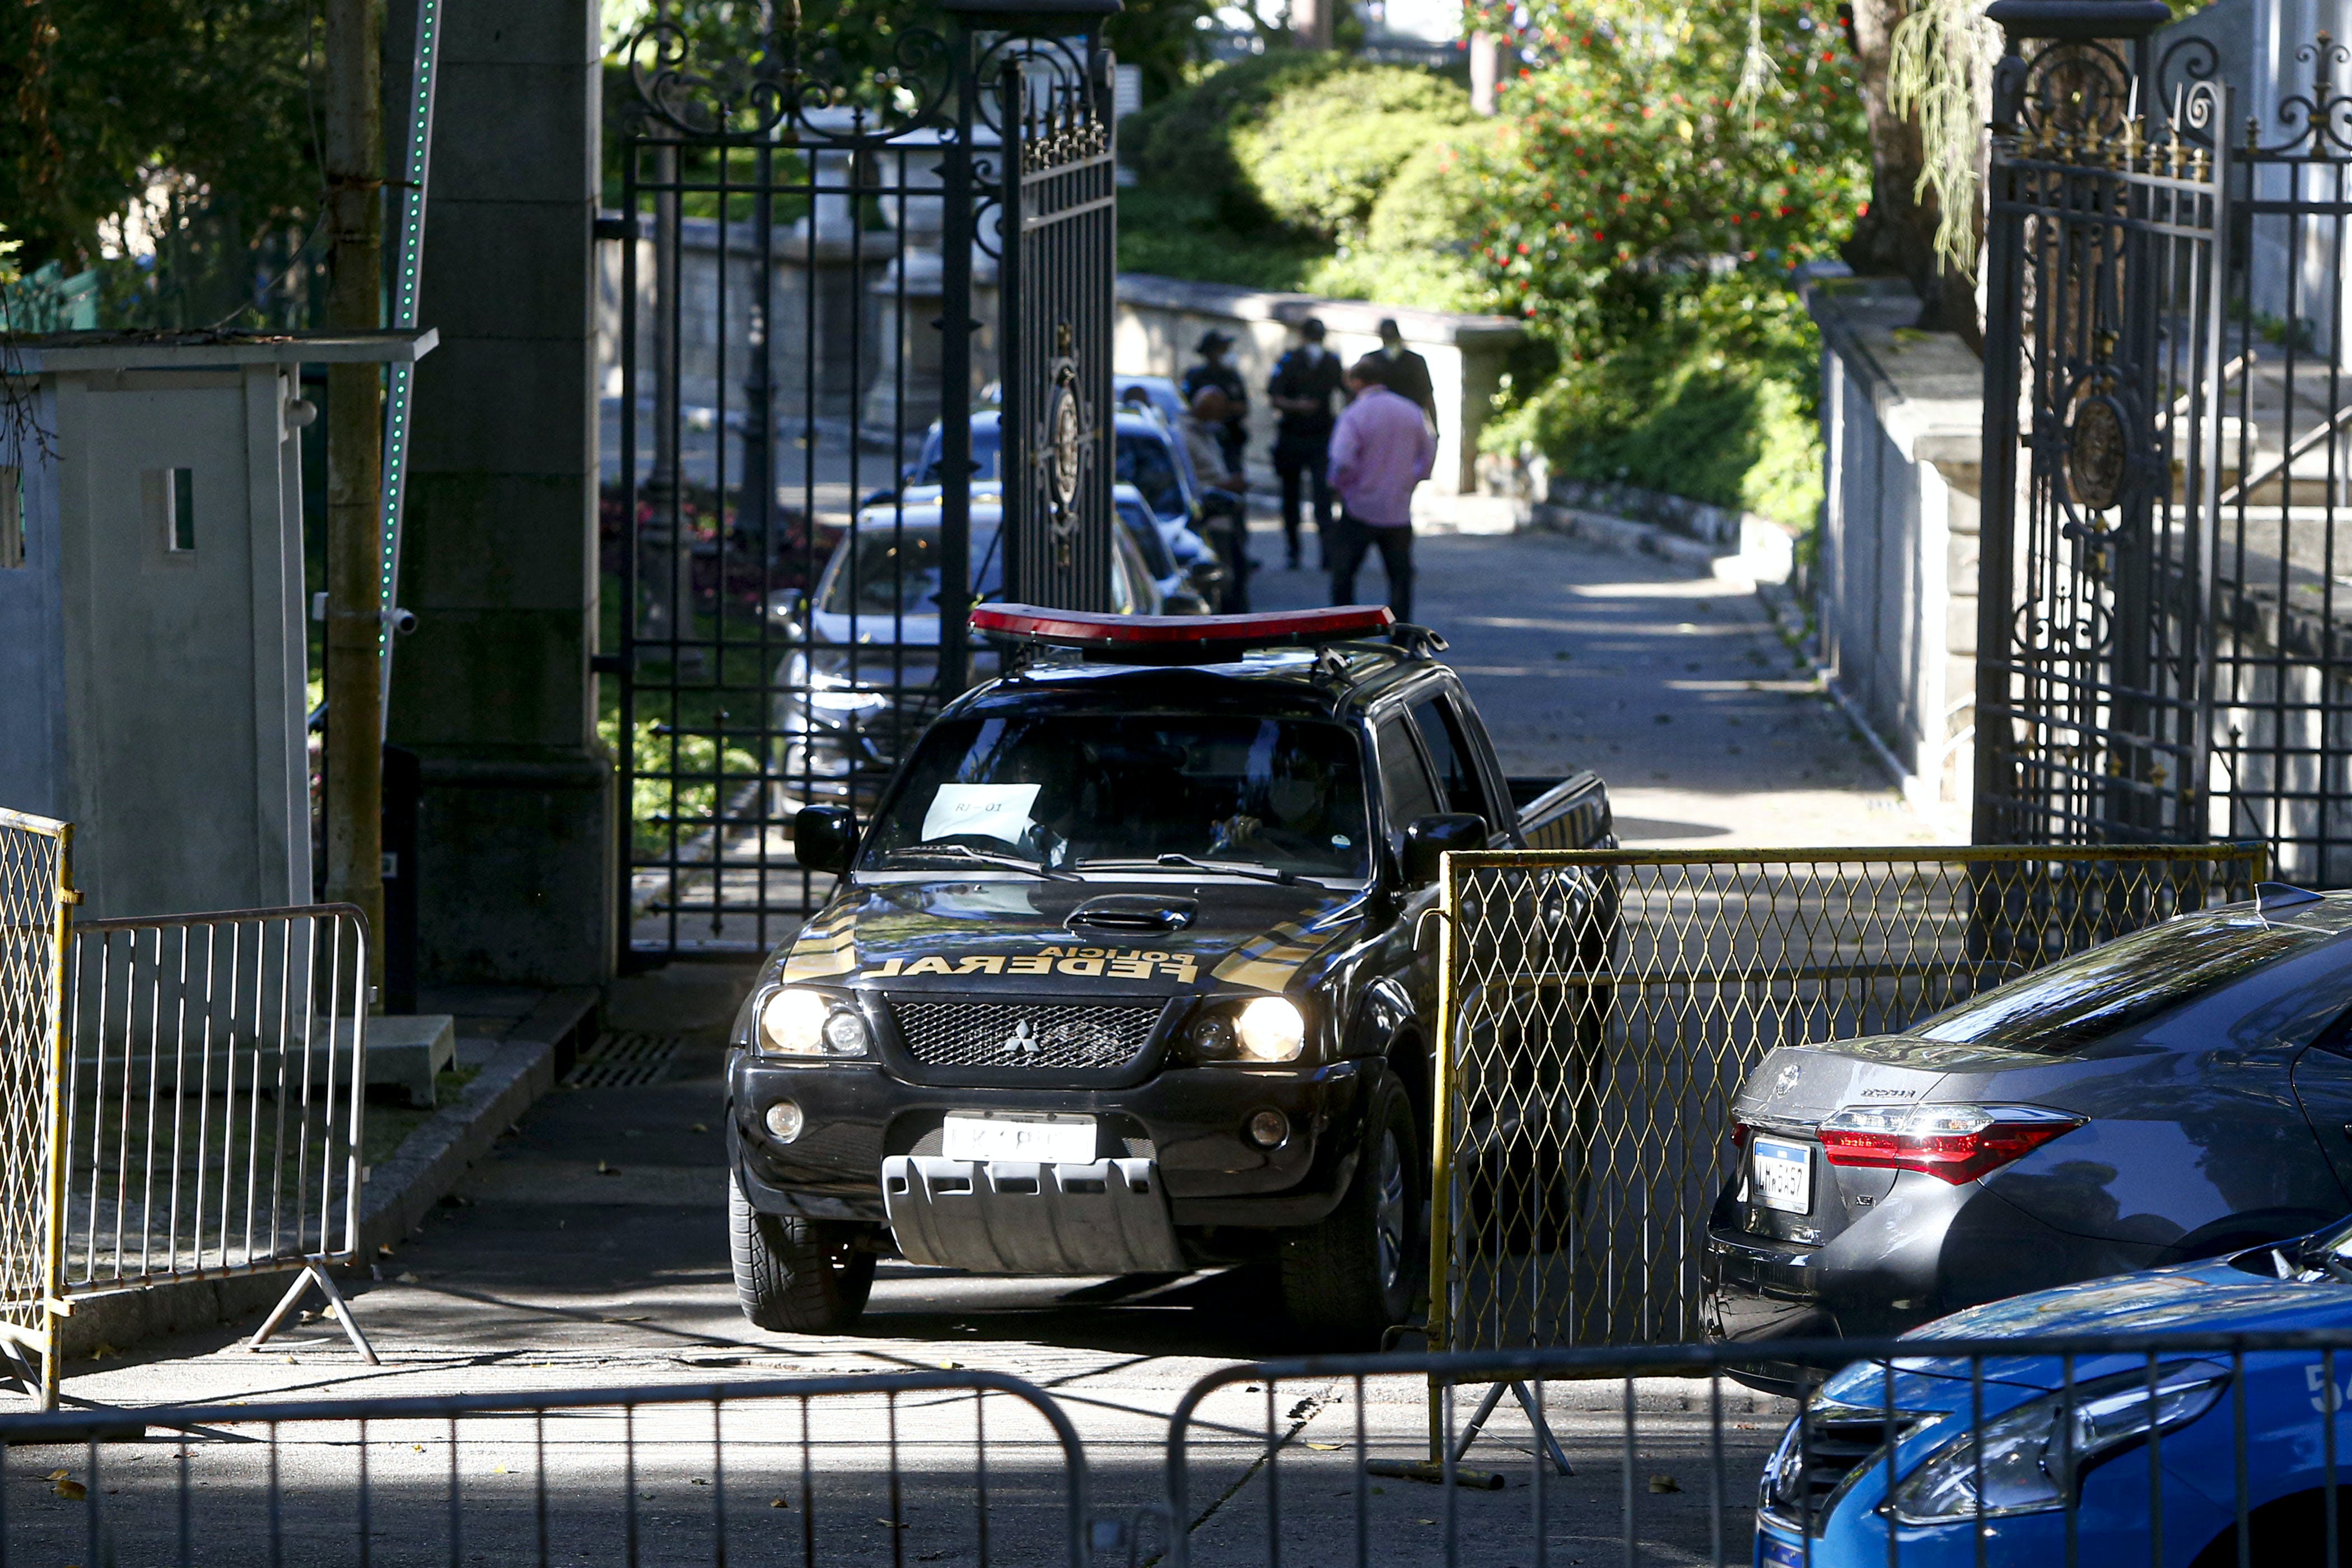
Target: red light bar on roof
[[1171, 638]]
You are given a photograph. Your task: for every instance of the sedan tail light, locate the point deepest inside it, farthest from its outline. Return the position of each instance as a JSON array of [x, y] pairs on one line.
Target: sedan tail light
[[1954, 1143]]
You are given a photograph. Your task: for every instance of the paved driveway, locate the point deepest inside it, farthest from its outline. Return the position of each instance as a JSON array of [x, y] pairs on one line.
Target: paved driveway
[[589, 1250]]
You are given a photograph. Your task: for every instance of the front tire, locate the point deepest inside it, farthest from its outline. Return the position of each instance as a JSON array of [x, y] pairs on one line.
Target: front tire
[[795, 1275], [1345, 1282]]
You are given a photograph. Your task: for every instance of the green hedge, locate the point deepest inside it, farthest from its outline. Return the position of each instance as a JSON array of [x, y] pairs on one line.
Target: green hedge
[[1291, 139], [1716, 400]]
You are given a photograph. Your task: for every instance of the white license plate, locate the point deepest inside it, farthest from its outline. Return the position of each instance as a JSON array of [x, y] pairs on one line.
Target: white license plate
[[1783, 1175], [1058, 1139]]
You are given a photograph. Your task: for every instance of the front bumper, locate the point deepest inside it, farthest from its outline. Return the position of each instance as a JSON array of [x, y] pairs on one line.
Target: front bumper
[[1188, 1121], [1013, 1217]]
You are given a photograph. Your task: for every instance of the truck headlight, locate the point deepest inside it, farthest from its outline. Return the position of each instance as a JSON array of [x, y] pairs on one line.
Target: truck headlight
[[798, 1022], [2033, 1454], [1271, 1029]]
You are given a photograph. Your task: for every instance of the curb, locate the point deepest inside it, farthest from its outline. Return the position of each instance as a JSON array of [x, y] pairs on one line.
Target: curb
[[1763, 555], [399, 1192]]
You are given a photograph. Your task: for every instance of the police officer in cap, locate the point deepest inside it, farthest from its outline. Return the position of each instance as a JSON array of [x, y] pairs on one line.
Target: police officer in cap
[[1305, 390], [1216, 370]]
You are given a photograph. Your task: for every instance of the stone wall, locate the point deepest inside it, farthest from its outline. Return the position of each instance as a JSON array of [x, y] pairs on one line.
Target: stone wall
[[1894, 579]]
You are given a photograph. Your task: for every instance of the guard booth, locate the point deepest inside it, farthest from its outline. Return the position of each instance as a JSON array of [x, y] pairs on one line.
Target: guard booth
[[153, 663]]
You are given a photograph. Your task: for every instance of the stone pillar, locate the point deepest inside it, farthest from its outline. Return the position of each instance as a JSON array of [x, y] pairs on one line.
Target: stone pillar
[[1485, 65], [493, 691], [1310, 22]]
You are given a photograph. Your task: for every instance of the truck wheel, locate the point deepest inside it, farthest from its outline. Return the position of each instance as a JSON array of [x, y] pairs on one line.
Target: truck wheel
[[795, 1275], [1347, 1281]]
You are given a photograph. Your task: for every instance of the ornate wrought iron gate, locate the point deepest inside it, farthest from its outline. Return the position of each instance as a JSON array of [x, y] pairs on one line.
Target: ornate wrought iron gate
[[2165, 635], [1059, 197], [832, 246], [2103, 295]]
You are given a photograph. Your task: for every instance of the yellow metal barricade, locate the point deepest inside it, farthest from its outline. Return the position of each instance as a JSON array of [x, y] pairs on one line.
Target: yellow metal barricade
[[36, 897], [1600, 1009]]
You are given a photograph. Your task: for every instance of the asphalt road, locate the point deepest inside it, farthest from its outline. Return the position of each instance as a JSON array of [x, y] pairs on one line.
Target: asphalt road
[[588, 1253]]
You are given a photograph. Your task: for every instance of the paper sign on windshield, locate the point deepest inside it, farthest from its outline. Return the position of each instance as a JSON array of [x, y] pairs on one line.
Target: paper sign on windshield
[[994, 811]]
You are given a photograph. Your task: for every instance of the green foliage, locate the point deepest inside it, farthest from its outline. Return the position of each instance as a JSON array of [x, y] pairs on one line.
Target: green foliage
[[1428, 204], [196, 111], [1710, 397], [1184, 145], [1161, 36], [1304, 171], [1320, 154], [1642, 141], [1177, 236], [1654, 174], [1291, 139]]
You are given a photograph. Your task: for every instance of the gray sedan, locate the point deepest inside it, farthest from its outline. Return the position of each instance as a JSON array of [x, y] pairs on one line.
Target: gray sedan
[[2179, 1093]]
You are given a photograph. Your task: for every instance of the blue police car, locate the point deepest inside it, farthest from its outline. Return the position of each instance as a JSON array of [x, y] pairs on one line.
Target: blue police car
[[2188, 1455]]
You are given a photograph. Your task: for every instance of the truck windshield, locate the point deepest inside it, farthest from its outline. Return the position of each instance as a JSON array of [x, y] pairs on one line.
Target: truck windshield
[[1067, 790]]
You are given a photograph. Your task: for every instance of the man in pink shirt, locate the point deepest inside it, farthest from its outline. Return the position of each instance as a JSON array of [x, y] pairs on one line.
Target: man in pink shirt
[[1380, 451]]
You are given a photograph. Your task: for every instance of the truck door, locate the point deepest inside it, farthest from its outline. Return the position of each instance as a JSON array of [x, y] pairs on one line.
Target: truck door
[[1407, 792], [1456, 760]]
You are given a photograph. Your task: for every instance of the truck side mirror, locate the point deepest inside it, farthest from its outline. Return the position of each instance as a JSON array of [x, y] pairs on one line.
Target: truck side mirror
[[1427, 838], [825, 838]]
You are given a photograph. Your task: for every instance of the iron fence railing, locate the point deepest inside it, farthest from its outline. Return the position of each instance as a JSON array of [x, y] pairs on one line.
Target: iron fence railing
[[1601, 1008]]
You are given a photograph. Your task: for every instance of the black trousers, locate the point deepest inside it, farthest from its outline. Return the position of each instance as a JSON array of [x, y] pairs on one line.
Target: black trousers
[[1228, 530], [1347, 546], [1300, 461]]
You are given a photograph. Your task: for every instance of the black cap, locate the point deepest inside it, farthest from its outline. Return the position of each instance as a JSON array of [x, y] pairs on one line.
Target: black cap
[[1212, 341], [1389, 328], [1311, 329]]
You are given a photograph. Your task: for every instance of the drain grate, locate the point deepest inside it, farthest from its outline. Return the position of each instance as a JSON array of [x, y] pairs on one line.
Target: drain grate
[[623, 1060]]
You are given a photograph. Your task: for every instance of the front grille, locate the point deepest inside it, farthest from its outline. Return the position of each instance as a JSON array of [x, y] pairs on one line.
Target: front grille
[[1067, 1036], [1820, 1456]]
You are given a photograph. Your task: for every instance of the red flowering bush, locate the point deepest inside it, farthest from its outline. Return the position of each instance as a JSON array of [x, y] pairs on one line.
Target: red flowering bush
[[1643, 148]]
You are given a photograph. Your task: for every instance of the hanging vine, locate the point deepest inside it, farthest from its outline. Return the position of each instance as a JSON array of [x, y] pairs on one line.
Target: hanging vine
[[1939, 73]]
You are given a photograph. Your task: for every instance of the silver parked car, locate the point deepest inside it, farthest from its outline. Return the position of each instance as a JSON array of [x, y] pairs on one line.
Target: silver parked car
[[2180, 1093], [861, 679]]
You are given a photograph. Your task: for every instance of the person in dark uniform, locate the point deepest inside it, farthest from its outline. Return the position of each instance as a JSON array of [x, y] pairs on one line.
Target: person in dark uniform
[[1408, 372], [1305, 390], [1216, 370]]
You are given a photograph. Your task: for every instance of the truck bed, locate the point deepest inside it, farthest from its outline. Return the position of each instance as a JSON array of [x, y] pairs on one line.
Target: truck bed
[[1564, 814]]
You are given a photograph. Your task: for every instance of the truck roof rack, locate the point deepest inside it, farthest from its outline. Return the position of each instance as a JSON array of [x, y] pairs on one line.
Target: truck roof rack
[[1185, 639]]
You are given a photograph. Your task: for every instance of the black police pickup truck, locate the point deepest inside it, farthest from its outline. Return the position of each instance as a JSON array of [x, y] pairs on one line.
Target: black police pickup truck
[[1127, 973]]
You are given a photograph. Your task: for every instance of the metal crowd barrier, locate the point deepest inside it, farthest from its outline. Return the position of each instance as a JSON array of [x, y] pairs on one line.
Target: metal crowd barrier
[[1600, 1009], [1657, 1454], [2163, 1449], [958, 1467], [214, 1089], [35, 892]]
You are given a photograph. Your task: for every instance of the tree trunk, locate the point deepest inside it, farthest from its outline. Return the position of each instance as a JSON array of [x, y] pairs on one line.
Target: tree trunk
[[1898, 235], [355, 585]]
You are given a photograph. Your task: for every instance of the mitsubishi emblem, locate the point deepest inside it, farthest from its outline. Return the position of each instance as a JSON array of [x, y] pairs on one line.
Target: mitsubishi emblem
[[1786, 1081], [1020, 1042]]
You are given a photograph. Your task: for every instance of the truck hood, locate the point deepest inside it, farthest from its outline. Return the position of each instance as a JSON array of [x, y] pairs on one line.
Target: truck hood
[[1141, 938]]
